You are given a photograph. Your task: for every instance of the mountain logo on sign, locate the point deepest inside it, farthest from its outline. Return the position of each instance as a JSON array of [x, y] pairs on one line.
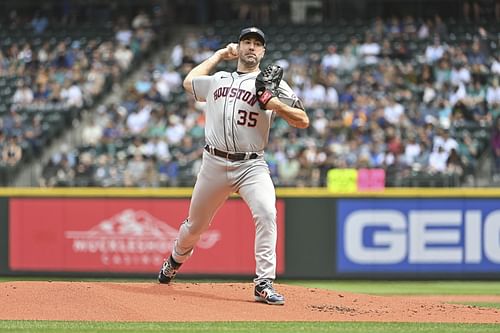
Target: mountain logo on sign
[[132, 232]]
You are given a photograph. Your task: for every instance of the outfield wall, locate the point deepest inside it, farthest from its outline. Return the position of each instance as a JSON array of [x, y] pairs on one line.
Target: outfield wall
[[394, 234]]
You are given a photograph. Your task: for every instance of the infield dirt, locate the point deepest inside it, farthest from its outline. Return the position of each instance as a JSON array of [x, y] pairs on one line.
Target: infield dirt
[[110, 301]]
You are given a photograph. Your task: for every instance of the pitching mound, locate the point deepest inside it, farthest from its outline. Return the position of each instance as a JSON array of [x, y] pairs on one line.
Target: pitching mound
[[105, 301]]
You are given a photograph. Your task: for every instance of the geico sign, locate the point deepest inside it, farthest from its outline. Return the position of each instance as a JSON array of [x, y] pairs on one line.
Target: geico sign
[[423, 236]]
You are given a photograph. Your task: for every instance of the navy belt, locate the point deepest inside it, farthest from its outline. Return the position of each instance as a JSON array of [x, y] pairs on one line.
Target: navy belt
[[231, 156]]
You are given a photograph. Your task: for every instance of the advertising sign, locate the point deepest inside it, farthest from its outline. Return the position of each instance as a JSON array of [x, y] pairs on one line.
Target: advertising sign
[[424, 235], [128, 235]]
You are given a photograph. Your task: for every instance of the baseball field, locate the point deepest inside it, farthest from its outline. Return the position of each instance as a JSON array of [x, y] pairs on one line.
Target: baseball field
[[201, 306]]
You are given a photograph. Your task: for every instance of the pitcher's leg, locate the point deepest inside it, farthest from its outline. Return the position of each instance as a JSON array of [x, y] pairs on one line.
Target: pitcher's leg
[[259, 194], [208, 195]]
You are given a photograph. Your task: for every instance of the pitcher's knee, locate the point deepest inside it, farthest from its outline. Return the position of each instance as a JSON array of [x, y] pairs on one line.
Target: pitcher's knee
[[266, 218]]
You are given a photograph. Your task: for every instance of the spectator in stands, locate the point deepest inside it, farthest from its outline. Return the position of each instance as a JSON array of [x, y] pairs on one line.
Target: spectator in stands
[[444, 139], [454, 164], [137, 120], [393, 111], [468, 150], [123, 55], [421, 161], [437, 160], [440, 28], [64, 174], [331, 60], [84, 170], [91, 133], [72, 95], [175, 131], [476, 102], [12, 152], [141, 20], [23, 95], [137, 146], [39, 23], [409, 27], [495, 147], [434, 51], [123, 33], [477, 58], [369, 50], [157, 148], [493, 92], [348, 101], [425, 28], [348, 61], [33, 134], [104, 173]]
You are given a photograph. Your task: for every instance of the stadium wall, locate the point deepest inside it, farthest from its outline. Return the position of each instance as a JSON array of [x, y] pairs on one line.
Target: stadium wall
[[393, 234]]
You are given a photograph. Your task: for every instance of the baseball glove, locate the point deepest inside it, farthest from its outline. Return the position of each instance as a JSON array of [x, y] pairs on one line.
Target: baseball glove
[[267, 84]]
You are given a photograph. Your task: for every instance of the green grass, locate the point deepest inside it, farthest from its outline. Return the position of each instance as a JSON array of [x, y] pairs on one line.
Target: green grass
[[480, 304], [407, 287], [242, 327]]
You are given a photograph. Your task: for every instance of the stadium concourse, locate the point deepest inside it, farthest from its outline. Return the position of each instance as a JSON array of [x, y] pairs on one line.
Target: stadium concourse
[[416, 96]]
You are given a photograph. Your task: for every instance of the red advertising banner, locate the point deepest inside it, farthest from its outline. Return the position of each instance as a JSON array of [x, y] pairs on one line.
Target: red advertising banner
[[128, 235]]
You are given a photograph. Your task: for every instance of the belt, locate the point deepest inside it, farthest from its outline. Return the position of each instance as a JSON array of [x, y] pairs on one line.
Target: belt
[[231, 156]]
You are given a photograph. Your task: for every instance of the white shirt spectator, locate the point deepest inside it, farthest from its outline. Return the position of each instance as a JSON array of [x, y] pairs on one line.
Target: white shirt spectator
[[91, 134], [459, 94], [331, 60], [429, 93], [348, 61], [320, 122], [393, 112], [23, 95], [314, 95], [446, 142], [493, 94], [123, 36], [175, 130], [460, 75], [157, 147], [369, 52], [423, 31], [123, 56], [495, 67], [137, 121], [162, 87], [172, 78], [176, 55], [332, 97], [141, 20], [437, 160], [73, 95], [433, 53], [412, 150]]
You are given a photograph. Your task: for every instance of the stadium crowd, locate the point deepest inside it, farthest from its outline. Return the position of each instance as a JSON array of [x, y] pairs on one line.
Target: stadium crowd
[[411, 96], [47, 71]]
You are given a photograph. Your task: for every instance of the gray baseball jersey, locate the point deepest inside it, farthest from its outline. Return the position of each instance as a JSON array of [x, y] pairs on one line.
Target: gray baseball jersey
[[235, 122]]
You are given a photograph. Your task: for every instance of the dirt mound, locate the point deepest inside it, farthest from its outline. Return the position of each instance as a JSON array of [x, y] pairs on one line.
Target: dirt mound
[[107, 301]]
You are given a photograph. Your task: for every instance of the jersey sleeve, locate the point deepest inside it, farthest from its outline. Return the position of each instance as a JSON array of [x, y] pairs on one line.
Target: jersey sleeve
[[287, 96], [201, 85]]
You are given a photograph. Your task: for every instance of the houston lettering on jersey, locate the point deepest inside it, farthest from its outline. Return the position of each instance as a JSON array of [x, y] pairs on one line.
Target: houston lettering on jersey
[[242, 94]]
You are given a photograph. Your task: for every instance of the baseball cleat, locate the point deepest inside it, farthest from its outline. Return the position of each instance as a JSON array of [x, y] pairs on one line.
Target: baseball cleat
[[264, 292], [168, 270]]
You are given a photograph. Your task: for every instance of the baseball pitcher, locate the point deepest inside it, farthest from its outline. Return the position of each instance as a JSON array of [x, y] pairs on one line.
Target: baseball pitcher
[[240, 109]]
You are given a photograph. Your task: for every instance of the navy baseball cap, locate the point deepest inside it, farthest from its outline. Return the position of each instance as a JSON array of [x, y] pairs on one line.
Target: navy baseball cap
[[259, 34]]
